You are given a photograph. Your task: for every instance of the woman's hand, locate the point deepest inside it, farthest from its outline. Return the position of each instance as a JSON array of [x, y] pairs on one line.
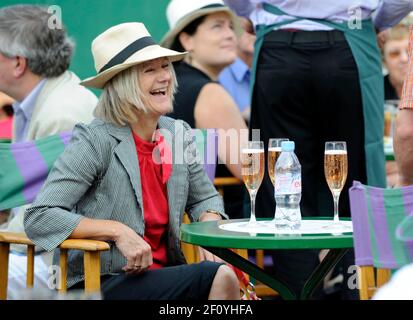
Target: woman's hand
[[137, 251], [205, 255]]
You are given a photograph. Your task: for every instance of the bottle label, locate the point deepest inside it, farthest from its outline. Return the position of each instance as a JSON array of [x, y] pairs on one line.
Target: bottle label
[[288, 183]]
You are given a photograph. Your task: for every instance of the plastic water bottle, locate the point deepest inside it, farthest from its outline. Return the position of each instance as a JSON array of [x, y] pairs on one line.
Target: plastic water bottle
[[287, 190]]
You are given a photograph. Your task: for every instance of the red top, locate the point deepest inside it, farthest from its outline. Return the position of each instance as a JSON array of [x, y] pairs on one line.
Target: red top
[[155, 200], [6, 128]]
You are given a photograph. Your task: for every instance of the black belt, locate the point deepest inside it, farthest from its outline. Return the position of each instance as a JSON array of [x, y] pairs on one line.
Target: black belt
[[305, 36]]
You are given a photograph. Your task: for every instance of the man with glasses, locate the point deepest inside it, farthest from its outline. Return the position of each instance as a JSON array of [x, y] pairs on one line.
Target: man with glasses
[[395, 60], [34, 62]]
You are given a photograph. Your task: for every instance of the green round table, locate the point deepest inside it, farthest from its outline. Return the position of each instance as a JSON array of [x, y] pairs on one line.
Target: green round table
[[218, 241]]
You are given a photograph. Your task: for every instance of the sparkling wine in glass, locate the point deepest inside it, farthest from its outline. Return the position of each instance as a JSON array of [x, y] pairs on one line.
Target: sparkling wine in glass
[[274, 151], [335, 170], [252, 167]]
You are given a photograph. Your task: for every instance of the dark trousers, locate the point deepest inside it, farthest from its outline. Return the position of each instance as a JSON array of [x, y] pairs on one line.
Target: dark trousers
[[184, 282], [308, 92]]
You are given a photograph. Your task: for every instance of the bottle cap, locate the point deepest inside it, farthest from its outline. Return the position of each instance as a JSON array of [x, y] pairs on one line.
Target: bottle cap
[[287, 146]]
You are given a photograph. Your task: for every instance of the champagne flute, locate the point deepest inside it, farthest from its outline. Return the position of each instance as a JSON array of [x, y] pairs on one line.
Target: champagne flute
[[335, 170], [274, 151], [252, 169]]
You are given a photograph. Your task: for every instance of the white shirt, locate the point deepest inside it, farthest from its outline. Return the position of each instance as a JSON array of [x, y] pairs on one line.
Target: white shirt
[[400, 287], [23, 112], [385, 13]]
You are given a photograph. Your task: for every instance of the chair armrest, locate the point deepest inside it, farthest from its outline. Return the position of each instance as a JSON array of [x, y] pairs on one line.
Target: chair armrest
[[15, 238], [77, 244], [91, 248], [85, 245]]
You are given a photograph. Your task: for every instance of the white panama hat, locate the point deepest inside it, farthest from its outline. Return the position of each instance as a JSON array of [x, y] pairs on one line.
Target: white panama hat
[[121, 47], [181, 13]]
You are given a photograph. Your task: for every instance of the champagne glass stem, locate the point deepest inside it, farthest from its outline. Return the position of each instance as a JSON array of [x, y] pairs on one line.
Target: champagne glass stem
[[336, 197], [253, 194]]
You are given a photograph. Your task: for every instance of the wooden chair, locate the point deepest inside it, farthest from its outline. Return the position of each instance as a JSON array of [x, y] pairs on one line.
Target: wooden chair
[[18, 187], [376, 214], [370, 279]]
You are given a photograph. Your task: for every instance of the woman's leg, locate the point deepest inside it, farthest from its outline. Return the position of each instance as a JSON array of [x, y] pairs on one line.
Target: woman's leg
[[225, 285], [201, 281]]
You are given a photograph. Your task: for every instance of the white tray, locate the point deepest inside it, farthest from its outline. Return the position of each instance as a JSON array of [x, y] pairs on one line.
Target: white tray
[[307, 227]]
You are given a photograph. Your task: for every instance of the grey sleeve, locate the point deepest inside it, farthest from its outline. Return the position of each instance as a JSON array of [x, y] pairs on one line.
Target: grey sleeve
[[52, 216]]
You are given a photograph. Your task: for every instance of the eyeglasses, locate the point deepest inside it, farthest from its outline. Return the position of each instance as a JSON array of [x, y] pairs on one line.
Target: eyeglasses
[[397, 52]]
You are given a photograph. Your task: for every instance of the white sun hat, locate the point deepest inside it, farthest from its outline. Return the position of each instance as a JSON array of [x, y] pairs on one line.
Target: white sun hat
[[121, 47], [181, 13]]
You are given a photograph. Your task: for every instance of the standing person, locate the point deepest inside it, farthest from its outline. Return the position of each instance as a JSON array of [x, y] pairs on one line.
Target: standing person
[[205, 28], [124, 189], [236, 77], [34, 62], [317, 77], [403, 136]]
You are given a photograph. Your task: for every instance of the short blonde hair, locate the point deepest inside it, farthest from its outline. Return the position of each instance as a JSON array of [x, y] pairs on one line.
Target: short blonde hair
[[122, 99], [399, 32]]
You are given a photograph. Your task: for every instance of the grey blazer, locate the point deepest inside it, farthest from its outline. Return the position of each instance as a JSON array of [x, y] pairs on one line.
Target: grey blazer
[[98, 177]]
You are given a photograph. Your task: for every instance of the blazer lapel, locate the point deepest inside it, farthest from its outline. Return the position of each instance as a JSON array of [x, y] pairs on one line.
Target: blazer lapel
[[126, 152]]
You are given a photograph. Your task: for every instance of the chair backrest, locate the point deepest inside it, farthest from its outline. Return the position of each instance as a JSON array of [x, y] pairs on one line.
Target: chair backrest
[[25, 165], [376, 214]]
